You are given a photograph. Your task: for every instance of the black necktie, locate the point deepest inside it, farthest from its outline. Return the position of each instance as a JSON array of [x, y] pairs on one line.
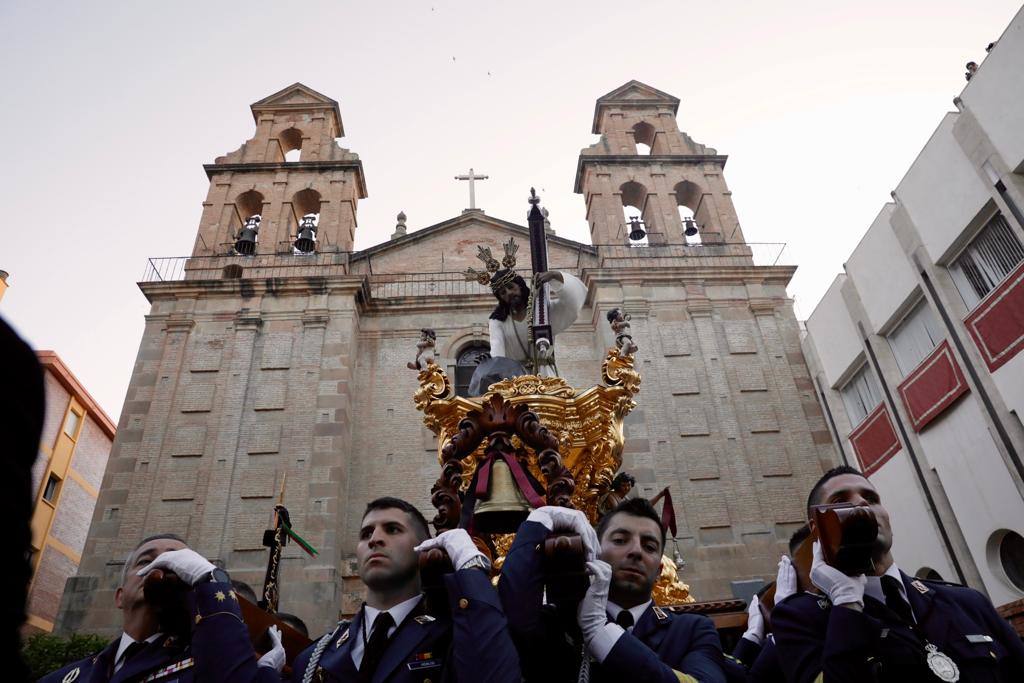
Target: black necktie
[[132, 650], [376, 645], [894, 599], [625, 619]]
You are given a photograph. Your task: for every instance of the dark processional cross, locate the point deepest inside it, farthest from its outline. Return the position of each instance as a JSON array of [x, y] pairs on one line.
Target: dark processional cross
[[540, 327]]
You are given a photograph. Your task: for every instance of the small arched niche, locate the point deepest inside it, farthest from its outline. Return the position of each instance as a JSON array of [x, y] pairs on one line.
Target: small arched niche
[[291, 144], [928, 573], [643, 136]]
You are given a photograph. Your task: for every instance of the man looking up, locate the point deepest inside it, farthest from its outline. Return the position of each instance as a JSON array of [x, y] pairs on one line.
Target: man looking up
[[623, 635], [392, 638], [888, 626], [218, 647]]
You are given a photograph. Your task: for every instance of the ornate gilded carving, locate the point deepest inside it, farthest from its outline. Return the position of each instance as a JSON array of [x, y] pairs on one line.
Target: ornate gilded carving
[[669, 590], [583, 427]]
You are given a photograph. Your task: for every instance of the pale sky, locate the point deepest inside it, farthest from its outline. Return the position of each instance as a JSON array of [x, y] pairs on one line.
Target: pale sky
[[112, 108]]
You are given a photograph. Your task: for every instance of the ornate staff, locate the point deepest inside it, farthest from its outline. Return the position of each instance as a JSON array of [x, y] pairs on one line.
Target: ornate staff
[[276, 539]]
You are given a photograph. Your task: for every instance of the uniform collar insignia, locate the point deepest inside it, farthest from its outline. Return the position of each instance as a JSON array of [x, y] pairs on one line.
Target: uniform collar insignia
[[424, 619], [72, 675], [341, 639], [921, 588], [823, 603], [660, 613]]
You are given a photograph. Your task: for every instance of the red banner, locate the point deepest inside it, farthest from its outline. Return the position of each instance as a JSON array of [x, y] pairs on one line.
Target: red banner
[[933, 386], [874, 440], [997, 323]]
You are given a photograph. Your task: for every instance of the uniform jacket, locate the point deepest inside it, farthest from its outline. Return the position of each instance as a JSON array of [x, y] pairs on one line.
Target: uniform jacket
[[661, 643], [472, 644], [220, 650], [753, 663], [814, 637]]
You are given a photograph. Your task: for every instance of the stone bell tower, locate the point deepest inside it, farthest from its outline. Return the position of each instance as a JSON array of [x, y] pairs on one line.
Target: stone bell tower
[[644, 161], [291, 167], [241, 390]]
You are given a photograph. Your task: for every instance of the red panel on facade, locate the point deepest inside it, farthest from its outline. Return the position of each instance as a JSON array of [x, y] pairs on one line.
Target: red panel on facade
[[932, 387], [997, 323], [874, 440]]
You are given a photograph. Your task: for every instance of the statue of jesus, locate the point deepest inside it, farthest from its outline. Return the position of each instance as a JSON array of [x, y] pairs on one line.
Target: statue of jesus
[[509, 325]]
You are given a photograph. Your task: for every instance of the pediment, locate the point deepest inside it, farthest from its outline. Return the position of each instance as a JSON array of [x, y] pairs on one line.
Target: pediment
[[637, 91], [451, 247], [296, 93], [634, 93], [298, 97]]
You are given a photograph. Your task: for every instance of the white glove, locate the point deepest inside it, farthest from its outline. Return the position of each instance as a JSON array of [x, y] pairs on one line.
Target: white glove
[[557, 518], [592, 614], [755, 622], [189, 565], [840, 588], [458, 545], [785, 580], [275, 657]]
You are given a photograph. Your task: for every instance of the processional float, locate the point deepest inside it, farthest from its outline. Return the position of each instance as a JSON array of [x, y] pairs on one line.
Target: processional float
[[531, 440]]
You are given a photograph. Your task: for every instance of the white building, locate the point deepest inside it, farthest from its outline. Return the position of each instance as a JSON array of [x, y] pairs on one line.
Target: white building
[[916, 348]]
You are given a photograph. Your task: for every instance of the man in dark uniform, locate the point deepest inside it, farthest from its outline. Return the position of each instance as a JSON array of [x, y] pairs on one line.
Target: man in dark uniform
[[392, 638], [890, 626], [218, 648], [618, 634], [755, 658]]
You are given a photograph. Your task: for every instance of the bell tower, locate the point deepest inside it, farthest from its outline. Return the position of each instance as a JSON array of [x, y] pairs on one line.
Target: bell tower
[[291, 168], [643, 161]]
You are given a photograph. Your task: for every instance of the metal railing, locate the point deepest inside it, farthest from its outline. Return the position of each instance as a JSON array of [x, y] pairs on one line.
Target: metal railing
[[259, 266], [699, 255]]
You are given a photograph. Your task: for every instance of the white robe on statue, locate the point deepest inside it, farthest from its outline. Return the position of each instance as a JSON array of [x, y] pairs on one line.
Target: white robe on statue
[[511, 338]]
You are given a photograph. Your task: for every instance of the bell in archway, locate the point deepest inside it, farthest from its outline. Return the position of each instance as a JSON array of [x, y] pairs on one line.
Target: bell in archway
[[505, 507], [246, 242], [306, 240], [689, 227], [636, 229]]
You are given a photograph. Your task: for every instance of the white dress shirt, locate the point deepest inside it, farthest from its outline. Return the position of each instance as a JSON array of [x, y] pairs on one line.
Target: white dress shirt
[[127, 640], [873, 587], [606, 638], [399, 612]]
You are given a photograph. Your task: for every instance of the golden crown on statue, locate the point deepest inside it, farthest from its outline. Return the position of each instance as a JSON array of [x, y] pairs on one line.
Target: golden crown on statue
[[492, 265]]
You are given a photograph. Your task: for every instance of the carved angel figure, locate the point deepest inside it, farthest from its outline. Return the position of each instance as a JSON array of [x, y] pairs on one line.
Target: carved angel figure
[[424, 349], [619, 321]]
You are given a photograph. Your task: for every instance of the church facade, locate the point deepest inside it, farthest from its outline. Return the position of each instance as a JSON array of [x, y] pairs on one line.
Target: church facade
[[283, 371]]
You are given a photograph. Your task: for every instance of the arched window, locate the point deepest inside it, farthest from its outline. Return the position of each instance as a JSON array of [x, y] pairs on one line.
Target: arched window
[[634, 199], [688, 196], [291, 144], [467, 360], [305, 202], [232, 272], [643, 135]]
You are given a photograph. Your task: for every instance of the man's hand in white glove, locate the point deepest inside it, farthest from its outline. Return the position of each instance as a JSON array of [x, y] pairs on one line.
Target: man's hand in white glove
[[592, 614], [458, 545], [557, 518], [189, 565], [275, 657], [755, 622], [785, 580], [840, 588]]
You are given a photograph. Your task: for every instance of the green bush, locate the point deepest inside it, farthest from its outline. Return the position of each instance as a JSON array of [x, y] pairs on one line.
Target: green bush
[[45, 652]]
